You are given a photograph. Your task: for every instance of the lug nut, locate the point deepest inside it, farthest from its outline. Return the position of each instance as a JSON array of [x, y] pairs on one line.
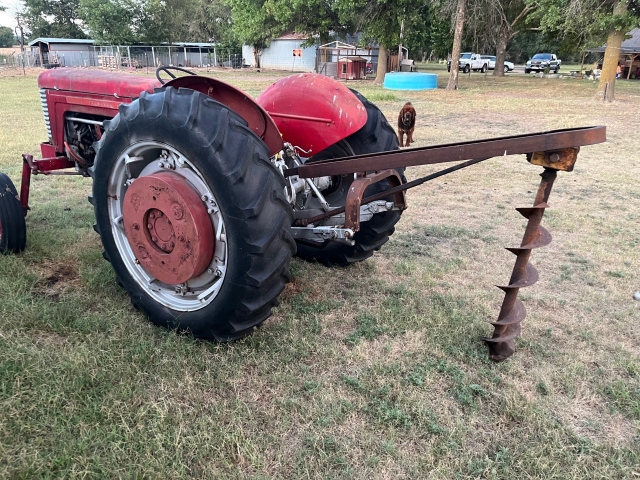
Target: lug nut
[[154, 239], [149, 226]]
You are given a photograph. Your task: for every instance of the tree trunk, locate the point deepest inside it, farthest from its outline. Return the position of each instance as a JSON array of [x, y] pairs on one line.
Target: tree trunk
[[501, 52], [607, 84], [457, 45], [256, 56], [382, 65]]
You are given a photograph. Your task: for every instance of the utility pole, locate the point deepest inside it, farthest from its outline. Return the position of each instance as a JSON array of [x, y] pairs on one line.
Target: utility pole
[[400, 45]]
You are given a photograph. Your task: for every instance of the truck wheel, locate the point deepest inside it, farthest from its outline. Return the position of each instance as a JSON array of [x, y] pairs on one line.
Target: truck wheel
[[484, 68], [376, 136], [506, 69], [13, 228], [526, 70], [467, 68], [192, 214]]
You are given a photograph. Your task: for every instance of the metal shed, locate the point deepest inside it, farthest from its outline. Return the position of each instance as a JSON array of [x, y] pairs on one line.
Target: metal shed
[[284, 53], [61, 52]]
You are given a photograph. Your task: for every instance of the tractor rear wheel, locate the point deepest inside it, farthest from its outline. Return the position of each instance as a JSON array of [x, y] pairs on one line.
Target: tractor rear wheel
[[13, 228], [376, 136], [192, 214]]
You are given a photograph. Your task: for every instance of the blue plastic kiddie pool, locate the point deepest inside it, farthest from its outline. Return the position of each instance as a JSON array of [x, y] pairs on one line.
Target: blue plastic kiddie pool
[[410, 81]]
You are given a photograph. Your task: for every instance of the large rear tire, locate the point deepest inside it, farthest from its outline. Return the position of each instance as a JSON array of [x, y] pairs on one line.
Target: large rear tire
[[13, 228], [205, 149], [376, 136]]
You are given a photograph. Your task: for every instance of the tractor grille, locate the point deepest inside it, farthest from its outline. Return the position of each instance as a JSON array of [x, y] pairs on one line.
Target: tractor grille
[[45, 110]]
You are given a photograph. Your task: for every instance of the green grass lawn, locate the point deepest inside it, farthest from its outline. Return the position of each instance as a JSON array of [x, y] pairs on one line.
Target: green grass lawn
[[373, 371]]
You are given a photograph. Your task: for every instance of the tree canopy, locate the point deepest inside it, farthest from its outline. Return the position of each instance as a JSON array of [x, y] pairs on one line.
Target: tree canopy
[[53, 18], [6, 37], [504, 27]]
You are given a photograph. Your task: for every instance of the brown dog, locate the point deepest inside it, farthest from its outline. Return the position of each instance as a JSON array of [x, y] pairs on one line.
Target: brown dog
[[406, 123]]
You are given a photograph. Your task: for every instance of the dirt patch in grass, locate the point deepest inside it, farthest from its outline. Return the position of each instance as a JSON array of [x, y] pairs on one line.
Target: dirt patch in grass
[[55, 279]]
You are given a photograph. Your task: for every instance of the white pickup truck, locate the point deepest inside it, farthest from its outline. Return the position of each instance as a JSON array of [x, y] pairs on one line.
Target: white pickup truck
[[470, 61]]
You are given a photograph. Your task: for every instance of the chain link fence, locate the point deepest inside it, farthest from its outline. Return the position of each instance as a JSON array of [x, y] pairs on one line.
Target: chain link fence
[[347, 63], [127, 58]]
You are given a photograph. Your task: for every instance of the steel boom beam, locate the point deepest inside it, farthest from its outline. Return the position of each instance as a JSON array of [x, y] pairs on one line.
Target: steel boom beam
[[494, 147]]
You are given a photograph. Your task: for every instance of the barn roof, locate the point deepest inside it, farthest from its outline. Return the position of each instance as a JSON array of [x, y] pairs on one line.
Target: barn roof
[[352, 59], [85, 41], [292, 36]]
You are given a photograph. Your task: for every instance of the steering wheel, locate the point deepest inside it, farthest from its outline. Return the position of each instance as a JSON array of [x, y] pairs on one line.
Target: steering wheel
[[166, 69]]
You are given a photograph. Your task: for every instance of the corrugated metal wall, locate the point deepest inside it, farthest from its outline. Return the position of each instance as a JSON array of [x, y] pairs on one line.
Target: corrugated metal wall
[[279, 56]]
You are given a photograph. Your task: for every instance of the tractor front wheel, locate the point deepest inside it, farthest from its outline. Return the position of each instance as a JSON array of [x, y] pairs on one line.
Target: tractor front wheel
[[192, 214], [376, 136], [13, 228]]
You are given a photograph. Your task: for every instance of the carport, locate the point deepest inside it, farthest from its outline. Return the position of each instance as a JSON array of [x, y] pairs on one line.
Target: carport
[[629, 55]]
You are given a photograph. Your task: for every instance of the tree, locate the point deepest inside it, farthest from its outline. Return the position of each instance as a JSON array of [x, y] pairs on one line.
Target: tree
[[591, 22], [111, 21], [381, 22], [511, 18], [311, 17], [452, 84], [211, 22], [616, 25], [440, 34], [52, 18], [254, 23], [6, 37]]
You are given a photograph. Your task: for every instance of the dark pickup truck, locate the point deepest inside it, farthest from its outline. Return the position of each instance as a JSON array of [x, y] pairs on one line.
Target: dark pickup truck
[[541, 61]]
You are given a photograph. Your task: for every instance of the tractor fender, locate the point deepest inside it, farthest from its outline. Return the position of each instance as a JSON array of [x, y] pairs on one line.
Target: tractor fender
[[313, 111], [257, 119]]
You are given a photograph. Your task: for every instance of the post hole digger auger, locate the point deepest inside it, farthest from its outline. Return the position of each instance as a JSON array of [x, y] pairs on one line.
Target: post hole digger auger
[[202, 194]]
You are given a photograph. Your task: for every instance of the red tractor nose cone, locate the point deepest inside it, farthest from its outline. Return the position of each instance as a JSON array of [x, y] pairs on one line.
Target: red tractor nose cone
[[168, 227]]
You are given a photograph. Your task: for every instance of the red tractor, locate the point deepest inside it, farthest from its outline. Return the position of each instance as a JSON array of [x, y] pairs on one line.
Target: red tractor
[[202, 195]]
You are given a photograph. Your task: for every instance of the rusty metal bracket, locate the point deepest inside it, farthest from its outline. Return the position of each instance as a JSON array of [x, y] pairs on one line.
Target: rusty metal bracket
[[563, 159], [356, 191]]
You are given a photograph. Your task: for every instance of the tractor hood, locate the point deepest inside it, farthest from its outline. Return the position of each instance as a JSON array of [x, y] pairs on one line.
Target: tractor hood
[[118, 85]]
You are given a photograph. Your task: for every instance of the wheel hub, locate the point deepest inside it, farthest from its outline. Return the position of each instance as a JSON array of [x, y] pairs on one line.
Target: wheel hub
[[168, 227]]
